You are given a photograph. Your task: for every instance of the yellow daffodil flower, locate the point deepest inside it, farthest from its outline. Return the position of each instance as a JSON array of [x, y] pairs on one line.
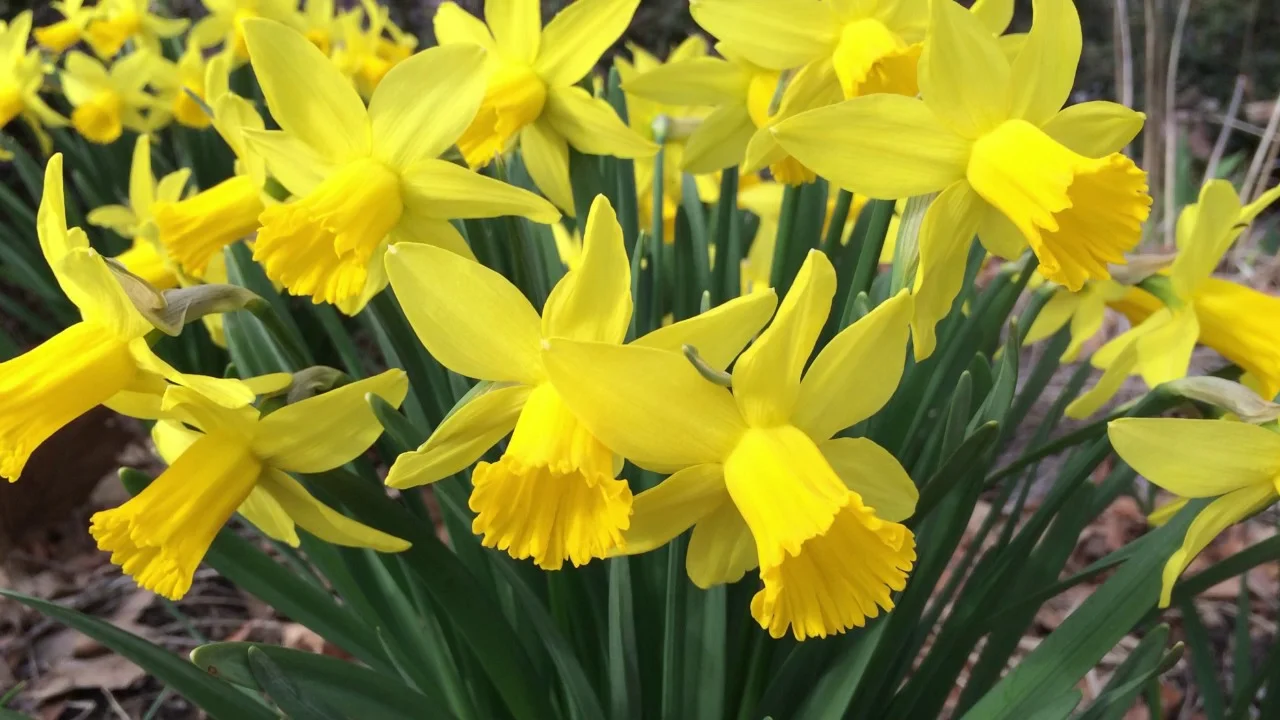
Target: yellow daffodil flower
[[1084, 311], [1241, 322], [90, 362], [532, 97], [1237, 463], [222, 460], [758, 471], [320, 24], [108, 101], [66, 32], [116, 22], [554, 495], [225, 23], [21, 78], [982, 123], [765, 201], [189, 92], [364, 178], [371, 46]]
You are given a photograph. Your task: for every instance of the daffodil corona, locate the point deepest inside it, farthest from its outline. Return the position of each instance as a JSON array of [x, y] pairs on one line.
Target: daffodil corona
[[758, 471]]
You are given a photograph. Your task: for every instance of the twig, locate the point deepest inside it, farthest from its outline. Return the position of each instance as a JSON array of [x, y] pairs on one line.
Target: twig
[[1224, 135], [1124, 48], [1153, 12], [1252, 177], [1171, 123]]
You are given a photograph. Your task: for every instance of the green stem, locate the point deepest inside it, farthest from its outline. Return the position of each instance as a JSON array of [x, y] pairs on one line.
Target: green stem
[[835, 227], [293, 350], [864, 274], [656, 230], [782, 245]]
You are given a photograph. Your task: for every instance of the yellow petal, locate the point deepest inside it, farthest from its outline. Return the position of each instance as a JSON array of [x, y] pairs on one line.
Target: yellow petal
[[1164, 513], [322, 521], [452, 24], [1164, 350], [1197, 458], [650, 406], [720, 141], [578, 35], [141, 181], [145, 261], [875, 474], [1054, 316], [720, 333], [265, 512], [769, 34], [1211, 234], [945, 237], [462, 438], [995, 15], [697, 81], [117, 217], [721, 549], [964, 75], [1085, 324], [857, 372], [307, 95], [442, 190], [424, 103], [1216, 517], [297, 166], [882, 146], [1096, 128], [1126, 359], [415, 227], [673, 506], [591, 125], [1000, 236], [593, 302], [517, 26], [1239, 322], [546, 157], [327, 430], [470, 318], [1045, 71], [94, 289]]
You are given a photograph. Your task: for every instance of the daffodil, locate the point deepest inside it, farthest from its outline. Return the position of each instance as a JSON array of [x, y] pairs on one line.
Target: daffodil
[[366, 53], [363, 178], [1240, 321], [108, 101], [21, 78], [1083, 311], [188, 81], [66, 32], [225, 23], [194, 231], [758, 470], [222, 460], [1234, 462], [90, 362], [532, 98], [116, 22], [1011, 165], [764, 200], [320, 24], [554, 495]]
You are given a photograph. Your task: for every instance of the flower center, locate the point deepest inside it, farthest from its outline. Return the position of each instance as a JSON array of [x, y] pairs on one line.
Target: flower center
[[1077, 213], [11, 103], [98, 119], [552, 497], [513, 99], [871, 58], [322, 244], [196, 229], [60, 380], [58, 36]]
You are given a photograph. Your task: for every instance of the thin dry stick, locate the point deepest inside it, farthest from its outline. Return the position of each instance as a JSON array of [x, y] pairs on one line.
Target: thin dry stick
[[1264, 149], [1171, 123], [1152, 157], [1228, 125], [1124, 47]]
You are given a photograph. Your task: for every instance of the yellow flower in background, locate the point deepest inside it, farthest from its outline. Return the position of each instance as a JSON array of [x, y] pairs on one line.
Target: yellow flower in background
[[758, 471], [66, 32], [553, 496], [225, 23], [364, 178], [1012, 166], [21, 79], [320, 24], [532, 98], [116, 22], [1084, 311], [108, 101], [88, 363], [222, 460], [1234, 462], [188, 89], [764, 200], [366, 54], [1241, 322]]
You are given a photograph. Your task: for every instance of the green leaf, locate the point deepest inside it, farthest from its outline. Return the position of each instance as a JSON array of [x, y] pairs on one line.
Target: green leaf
[[292, 701], [1145, 662], [1060, 708], [954, 469], [1203, 667], [214, 696], [623, 657], [352, 690]]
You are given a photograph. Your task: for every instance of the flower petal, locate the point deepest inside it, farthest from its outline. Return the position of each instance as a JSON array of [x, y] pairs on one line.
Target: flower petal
[[591, 125], [875, 474], [721, 549], [719, 142], [1211, 233], [964, 75], [995, 15], [452, 25], [720, 333], [946, 234], [1045, 71], [546, 157], [462, 438], [766, 379], [323, 521], [770, 34], [882, 146], [1054, 316], [423, 104], [673, 506], [650, 406], [857, 372], [1197, 458], [294, 163], [470, 318], [327, 430], [307, 95], [442, 190], [141, 180], [263, 510], [1096, 128], [593, 301], [698, 81], [517, 27], [116, 217], [578, 35], [1209, 523]]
